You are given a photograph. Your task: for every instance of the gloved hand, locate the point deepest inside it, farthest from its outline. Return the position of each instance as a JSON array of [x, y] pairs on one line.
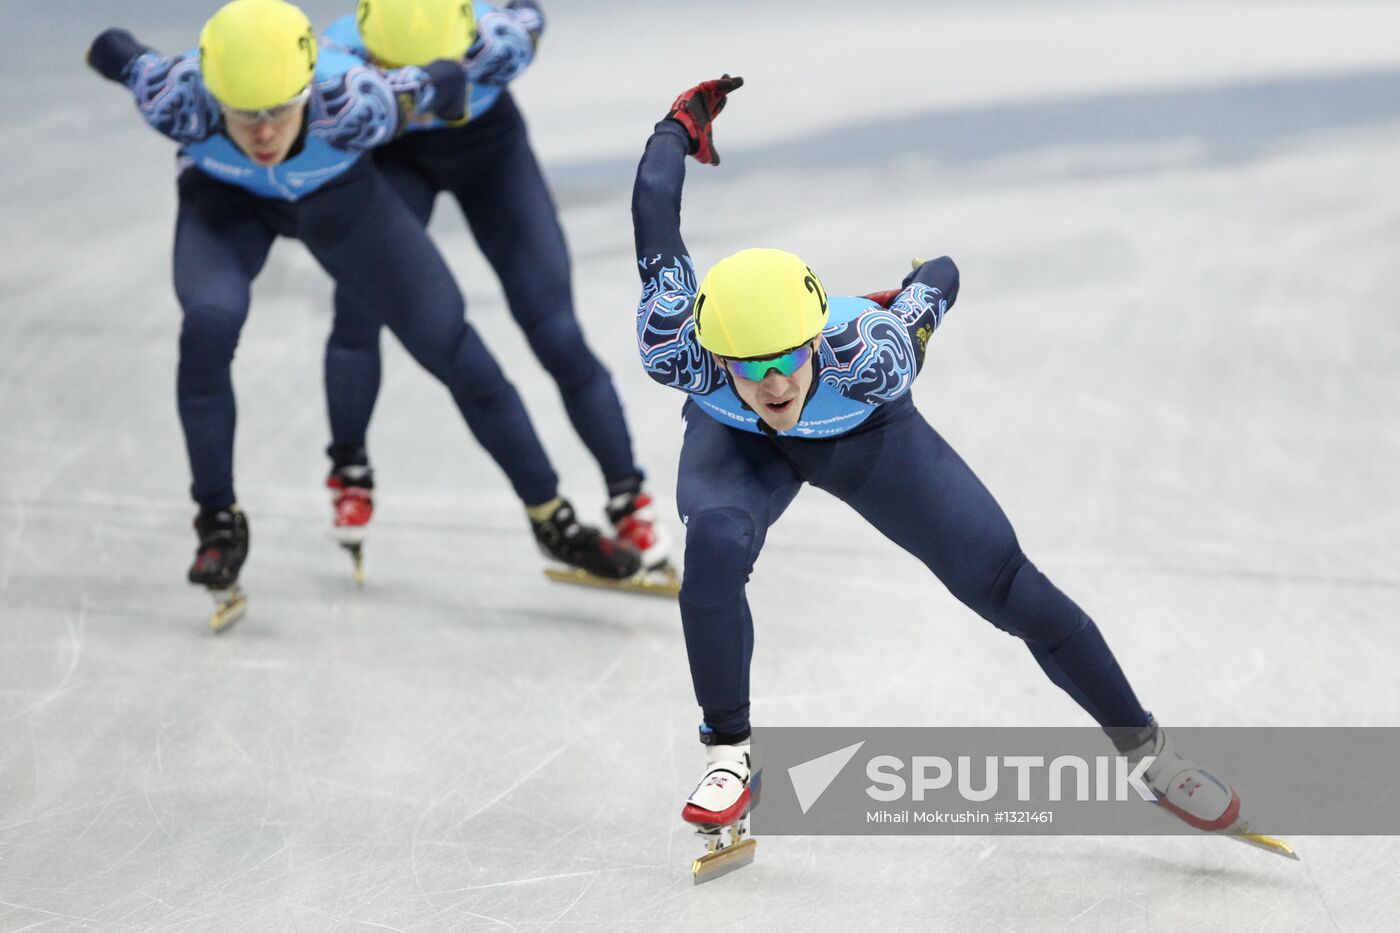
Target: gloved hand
[[450, 84], [884, 299], [697, 108], [112, 51]]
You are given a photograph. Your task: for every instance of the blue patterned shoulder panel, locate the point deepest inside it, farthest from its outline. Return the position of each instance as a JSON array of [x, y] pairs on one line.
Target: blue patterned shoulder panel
[[172, 98], [505, 44], [874, 356], [359, 108], [671, 353]]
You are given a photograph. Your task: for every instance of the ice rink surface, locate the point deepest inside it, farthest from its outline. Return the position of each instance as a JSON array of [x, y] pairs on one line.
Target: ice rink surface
[[1173, 359]]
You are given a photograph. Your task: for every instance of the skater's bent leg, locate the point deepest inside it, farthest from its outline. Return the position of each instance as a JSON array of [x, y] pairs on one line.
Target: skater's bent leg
[[922, 496], [352, 369], [386, 257], [352, 373], [513, 217], [220, 246], [731, 487]]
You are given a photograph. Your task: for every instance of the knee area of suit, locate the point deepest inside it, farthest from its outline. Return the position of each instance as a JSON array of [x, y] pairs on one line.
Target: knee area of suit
[[718, 553], [558, 344], [354, 338], [988, 592], [210, 330]]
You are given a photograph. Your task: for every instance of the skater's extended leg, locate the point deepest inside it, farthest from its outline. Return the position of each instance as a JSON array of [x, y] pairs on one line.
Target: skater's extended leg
[[732, 487], [387, 258], [352, 353], [905, 479], [508, 206], [220, 246]]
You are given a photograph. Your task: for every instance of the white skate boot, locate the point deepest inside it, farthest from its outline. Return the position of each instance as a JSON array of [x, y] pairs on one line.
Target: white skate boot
[[719, 807], [1197, 796]]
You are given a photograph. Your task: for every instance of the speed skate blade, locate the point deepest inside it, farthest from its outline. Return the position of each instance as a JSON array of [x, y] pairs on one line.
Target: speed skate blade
[[230, 606], [356, 550], [1267, 843], [712, 865], [662, 583]]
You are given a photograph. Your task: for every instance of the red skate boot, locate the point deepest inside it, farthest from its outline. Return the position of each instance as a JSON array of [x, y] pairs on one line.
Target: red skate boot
[[633, 517], [352, 499]]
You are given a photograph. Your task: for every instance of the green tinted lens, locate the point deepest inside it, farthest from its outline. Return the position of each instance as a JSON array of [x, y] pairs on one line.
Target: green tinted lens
[[787, 364]]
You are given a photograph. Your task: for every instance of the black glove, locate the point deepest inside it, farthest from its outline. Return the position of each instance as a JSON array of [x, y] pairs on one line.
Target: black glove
[[450, 84], [697, 108], [111, 52]]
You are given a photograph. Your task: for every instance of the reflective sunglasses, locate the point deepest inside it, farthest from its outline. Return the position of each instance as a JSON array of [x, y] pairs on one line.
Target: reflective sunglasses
[[253, 118], [785, 363]]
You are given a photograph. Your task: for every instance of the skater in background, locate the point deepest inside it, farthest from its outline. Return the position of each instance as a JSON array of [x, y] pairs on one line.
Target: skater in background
[[789, 386], [485, 162], [272, 136]]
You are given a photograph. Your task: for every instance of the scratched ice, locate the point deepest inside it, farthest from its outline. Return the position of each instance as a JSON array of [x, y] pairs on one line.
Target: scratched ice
[[1173, 360]]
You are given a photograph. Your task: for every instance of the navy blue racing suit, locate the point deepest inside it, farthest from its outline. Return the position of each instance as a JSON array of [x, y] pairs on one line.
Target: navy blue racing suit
[[326, 195], [486, 163], [861, 439]]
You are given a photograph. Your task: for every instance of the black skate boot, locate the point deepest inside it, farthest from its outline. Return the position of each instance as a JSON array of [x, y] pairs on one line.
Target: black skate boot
[[562, 537], [223, 547]]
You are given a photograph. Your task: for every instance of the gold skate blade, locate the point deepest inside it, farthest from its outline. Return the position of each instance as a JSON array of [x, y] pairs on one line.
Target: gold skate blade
[[357, 554], [1267, 843], [230, 606], [663, 583], [712, 865]]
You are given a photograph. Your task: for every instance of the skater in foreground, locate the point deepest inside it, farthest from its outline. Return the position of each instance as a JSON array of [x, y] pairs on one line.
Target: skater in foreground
[[789, 386], [272, 137], [485, 162]]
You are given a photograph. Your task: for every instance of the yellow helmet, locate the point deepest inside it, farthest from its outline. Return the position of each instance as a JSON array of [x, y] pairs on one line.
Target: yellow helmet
[[256, 54], [759, 302], [415, 32]]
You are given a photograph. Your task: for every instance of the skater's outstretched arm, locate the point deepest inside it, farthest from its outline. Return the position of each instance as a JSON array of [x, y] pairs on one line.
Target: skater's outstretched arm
[[354, 110], [169, 92], [670, 351], [366, 107], [875, 356], [505, 42]]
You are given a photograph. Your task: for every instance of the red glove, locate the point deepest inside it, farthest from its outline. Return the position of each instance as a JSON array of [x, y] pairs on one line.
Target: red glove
[[697, 108], [885, 299]]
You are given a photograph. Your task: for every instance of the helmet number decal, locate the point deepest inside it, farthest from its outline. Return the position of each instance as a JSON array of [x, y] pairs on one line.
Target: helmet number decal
[[307, 43], [815, 287]]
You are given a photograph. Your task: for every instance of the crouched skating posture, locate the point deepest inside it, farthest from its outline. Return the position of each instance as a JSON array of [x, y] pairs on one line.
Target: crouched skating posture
[[788, 385]]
